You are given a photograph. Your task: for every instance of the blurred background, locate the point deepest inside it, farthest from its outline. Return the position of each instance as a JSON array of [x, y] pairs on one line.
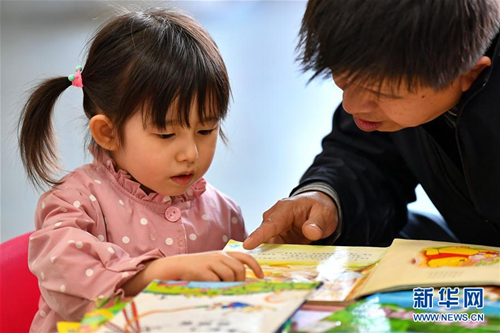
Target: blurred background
[[276, 120]]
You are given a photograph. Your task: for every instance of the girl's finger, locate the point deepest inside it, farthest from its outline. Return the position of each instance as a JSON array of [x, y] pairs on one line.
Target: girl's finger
[[249, 261], [236, 266], [223, 271], [208, 275]]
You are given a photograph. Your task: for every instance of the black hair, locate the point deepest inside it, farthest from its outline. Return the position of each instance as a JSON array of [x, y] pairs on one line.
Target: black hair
[[420, 43]]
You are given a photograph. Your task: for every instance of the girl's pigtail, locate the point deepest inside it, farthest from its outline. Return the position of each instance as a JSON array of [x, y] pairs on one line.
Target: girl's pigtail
[[37, 143]]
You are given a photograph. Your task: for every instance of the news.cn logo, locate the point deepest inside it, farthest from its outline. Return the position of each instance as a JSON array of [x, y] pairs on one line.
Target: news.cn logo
[[473, 298]]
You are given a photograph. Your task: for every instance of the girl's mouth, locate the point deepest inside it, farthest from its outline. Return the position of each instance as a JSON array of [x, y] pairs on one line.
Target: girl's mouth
[[182, 179]]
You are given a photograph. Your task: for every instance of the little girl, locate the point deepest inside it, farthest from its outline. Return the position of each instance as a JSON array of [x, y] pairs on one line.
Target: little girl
[[155, 90]]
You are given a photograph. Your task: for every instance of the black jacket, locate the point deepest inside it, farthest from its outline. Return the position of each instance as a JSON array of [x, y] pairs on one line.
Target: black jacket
[[375, 174]]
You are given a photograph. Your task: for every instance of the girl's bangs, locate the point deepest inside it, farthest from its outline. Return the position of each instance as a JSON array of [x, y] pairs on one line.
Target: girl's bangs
[[172, 91], [175, 68], [176, 99]]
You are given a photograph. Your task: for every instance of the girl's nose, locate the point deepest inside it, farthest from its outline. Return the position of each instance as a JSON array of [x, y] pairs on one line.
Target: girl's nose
[[188, 152]]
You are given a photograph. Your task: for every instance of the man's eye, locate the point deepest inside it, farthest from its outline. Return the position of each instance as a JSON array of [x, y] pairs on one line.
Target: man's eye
[[165, 136], [206, 132]]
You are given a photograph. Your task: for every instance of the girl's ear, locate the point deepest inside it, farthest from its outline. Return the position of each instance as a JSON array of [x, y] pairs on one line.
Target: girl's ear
[[103, 132]]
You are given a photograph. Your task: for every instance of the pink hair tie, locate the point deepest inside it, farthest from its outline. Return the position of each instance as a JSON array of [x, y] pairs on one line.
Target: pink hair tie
[[76, 79]]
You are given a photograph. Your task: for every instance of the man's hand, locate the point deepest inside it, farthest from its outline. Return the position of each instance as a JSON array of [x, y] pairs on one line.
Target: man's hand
[[300, 219]]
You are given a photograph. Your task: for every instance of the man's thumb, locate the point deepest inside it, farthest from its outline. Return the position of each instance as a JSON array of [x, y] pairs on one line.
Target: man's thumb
[[315, 228]]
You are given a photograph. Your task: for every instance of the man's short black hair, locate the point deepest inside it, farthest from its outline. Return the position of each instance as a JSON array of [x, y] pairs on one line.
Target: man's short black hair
[[420, 43]]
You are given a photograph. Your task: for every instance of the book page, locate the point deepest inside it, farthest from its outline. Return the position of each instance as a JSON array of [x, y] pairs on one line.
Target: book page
[[341, 269], [180, 306], [416, 263], [394, 312]]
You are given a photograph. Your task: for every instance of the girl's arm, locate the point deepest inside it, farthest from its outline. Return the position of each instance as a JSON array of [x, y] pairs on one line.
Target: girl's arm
[[69, 255]]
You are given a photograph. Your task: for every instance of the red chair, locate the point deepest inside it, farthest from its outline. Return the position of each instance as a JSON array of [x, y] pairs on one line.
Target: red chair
[[19, 287]]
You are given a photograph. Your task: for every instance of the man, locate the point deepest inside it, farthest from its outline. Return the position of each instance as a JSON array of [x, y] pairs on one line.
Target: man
[[421, 104]]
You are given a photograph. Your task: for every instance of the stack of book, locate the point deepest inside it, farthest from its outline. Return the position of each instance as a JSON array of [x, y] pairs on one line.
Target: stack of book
[[320, 275]]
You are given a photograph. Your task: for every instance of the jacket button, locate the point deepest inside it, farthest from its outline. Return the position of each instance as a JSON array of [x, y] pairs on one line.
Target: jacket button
[[173, 214]]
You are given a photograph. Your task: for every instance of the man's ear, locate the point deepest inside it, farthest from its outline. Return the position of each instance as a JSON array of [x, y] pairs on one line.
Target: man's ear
[[468, 78], [103, 132]]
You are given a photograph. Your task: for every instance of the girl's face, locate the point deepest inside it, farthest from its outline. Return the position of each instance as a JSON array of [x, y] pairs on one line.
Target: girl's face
[[167, 161]]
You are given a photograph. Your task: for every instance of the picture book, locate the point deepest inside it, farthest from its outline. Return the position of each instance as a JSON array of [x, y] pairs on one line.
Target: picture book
[[394, 312], [180, 306], [99, 313], [351, 272]]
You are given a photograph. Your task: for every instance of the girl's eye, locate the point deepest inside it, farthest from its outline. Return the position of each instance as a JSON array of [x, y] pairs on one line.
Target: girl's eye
[[206, 132], [165, 136]]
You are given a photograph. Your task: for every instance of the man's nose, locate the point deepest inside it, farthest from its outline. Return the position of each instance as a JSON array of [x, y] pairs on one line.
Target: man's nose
[[356, 102]]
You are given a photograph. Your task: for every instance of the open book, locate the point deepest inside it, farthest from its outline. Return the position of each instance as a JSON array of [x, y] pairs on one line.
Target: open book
[[394, 312], [350, 272], [181, 306]]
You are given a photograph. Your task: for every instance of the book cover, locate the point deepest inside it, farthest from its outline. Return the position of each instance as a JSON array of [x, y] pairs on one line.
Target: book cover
[[393, 312]]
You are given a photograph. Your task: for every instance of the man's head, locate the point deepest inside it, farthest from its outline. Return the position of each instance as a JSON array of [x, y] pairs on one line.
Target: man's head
[[399, 62]]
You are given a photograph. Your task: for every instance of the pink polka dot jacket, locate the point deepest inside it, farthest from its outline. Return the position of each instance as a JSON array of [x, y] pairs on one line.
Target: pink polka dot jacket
[[96, 229]]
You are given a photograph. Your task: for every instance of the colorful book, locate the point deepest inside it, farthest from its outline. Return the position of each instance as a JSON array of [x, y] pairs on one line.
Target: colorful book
[[180, 306], [348, 273], [394, 312], [99, 313]]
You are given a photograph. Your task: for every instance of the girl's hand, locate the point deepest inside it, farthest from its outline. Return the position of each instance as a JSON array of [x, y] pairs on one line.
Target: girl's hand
[[206, 266], [213, 266]]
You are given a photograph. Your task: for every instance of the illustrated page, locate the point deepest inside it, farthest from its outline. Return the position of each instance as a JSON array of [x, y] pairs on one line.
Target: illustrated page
[[419, 263], [341, 269], [179, 306]]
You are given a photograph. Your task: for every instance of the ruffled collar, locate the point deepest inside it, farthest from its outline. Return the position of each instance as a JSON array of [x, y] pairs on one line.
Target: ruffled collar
[[124, 180]]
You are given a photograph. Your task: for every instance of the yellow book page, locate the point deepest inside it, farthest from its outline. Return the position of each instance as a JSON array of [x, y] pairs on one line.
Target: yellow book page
[[341, 269], [416, 263], [67, 327]]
